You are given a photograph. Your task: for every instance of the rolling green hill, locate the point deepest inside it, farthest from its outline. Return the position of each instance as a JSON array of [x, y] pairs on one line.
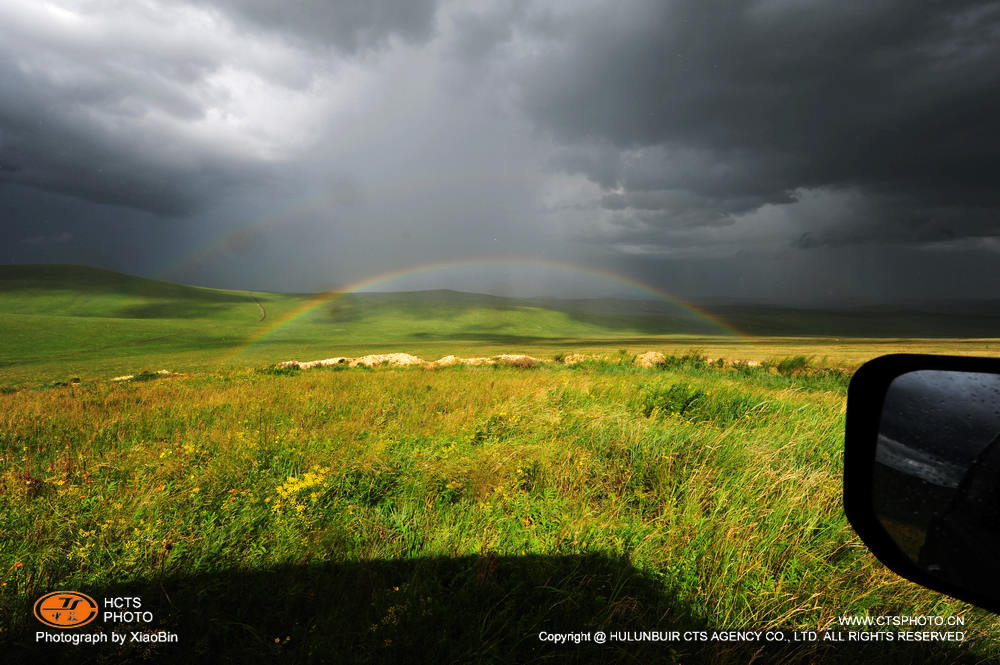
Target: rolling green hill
[[58, 322], [61, 321]]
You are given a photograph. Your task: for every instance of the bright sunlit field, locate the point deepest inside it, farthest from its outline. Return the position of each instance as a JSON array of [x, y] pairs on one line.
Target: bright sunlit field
[[444, 514], [382, 507]]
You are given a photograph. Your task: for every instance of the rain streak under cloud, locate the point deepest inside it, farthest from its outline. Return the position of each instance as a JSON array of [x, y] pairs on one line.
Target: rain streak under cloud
[[768, 151]]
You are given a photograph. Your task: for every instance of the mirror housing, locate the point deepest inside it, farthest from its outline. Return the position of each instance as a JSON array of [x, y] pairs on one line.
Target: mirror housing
[[922, 470]]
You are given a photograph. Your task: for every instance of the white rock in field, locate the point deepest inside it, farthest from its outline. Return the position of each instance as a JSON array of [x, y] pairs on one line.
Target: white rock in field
[[123, 378], [517, 360], [326, 362], [449, 360], [477, 361], [651, 359], [391, 359]]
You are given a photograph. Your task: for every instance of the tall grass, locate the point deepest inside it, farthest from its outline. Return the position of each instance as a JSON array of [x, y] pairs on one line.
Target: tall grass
[[452, 511]]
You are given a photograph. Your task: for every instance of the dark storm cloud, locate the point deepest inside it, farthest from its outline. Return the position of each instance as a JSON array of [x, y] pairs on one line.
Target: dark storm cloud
[[299, 146], [77, 118], [45, 147], [742, 104], [60, 238], [346, 25], [141, 106]]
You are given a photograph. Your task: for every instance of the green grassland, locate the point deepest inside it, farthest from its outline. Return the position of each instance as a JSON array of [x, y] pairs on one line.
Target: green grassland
[[63, 322], [455, 511], [431, 514]]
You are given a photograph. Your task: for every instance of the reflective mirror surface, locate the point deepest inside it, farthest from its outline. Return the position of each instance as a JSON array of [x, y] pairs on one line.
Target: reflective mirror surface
[[936, 479]]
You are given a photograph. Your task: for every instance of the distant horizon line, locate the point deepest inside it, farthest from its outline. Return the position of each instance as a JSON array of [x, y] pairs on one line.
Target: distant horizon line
[[699, 300]]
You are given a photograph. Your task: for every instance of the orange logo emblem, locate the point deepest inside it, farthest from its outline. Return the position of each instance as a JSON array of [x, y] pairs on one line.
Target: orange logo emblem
[[65, 609]]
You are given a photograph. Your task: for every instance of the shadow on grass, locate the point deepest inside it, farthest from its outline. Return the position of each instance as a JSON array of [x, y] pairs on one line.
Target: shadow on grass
[[441, 610], [172, 309]]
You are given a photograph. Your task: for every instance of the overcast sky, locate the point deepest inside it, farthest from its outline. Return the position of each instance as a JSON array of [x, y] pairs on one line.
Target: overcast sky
[[777, 150]]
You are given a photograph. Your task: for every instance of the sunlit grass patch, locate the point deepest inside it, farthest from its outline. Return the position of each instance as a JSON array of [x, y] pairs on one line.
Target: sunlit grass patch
[[718, 487]]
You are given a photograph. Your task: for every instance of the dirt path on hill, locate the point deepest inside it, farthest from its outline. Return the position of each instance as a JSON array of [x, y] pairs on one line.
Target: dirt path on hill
[[263, 312]]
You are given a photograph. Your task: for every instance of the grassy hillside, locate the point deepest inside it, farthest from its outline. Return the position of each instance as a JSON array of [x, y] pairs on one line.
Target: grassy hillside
[[450, 515], [63, 322]]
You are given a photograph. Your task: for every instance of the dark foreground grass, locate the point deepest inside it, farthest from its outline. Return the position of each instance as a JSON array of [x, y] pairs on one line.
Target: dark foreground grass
[[449, 515]]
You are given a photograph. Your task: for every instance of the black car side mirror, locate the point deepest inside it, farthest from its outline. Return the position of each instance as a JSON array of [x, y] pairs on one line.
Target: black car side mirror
[[922, 470]]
